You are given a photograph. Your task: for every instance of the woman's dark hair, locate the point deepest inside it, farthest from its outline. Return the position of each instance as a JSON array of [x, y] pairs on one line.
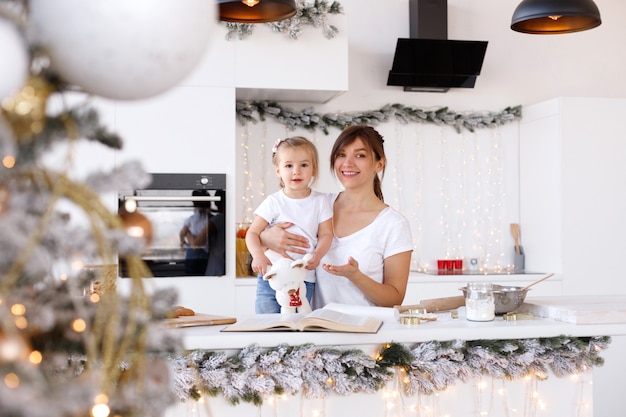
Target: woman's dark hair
[[371, 139], [201, 204]]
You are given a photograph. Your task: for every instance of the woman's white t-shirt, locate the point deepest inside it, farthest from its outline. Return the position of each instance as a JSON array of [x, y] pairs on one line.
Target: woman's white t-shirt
[[388, 235], [196, 223]]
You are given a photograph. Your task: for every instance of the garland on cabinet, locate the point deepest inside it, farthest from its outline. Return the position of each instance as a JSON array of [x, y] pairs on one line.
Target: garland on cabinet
[[311, 120], [430, 367], [314, 14]]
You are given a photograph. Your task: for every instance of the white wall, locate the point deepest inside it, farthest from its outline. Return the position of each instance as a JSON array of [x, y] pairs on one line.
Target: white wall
[[571, 174], [518, 68]]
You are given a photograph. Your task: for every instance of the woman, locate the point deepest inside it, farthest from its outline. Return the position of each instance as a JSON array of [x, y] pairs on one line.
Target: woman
[[213, 236], [196, 255], [369, 259]]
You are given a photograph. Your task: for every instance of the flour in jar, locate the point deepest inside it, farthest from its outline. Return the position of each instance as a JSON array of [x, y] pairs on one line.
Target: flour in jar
[[479, 302]]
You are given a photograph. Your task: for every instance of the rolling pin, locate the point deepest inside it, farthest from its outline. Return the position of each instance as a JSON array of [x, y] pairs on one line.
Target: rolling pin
[[435, 304]]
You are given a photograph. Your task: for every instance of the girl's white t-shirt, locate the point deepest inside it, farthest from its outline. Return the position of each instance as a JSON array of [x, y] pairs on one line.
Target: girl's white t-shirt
[[388, 235], [305, 213]]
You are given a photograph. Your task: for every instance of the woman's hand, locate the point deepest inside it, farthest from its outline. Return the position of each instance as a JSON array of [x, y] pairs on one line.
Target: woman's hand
[[349, 270], [279, 240], [386, 294]]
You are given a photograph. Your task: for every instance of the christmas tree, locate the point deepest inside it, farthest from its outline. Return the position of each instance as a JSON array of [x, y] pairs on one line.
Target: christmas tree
[[70, 344]]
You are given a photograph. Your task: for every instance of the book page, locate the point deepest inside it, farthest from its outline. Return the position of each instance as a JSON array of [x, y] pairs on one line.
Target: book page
[[335, 316], [328, 319], [261, 322], [382, 313], [319, 320]]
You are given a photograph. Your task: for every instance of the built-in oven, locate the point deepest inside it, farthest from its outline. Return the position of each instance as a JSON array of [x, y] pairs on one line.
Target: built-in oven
[[187, 217]]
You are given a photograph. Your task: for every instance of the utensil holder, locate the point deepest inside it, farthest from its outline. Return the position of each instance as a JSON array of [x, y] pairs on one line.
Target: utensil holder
[[519, 259]]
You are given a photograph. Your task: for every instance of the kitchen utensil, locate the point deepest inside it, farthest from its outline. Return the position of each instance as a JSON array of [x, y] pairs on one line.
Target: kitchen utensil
[[442, 304], [516, 237], [519, 260], [506, 298], [433, 305], [537, 282]]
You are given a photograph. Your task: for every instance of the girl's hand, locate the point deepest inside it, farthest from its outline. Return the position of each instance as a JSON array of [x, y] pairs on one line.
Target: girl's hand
[[261, 265], [313, 262]]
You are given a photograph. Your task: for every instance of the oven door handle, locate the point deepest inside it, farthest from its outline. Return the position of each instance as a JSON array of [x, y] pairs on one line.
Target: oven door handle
[[172, 198]]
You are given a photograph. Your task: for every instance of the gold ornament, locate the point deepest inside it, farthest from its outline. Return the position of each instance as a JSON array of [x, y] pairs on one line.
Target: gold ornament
[[137, 225], [13, 347], [105, 279], [26, 110]]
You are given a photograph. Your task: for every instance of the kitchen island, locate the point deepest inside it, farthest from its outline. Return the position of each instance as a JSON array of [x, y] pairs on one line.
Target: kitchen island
[[482, 395]]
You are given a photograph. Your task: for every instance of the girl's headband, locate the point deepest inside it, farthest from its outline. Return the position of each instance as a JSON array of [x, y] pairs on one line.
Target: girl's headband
[[276, 145]]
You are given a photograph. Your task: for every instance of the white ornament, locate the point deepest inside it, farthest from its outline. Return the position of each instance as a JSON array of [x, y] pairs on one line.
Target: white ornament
[[123, 49], [13, 58]]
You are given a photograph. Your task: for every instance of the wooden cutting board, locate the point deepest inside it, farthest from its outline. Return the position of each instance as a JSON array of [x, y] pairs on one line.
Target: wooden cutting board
[[198, 320]]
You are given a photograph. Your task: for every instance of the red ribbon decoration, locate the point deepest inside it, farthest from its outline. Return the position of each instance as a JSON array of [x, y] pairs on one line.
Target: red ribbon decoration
[[294, 299]]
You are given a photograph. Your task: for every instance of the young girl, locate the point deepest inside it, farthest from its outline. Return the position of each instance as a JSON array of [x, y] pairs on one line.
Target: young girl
[[309, 211]]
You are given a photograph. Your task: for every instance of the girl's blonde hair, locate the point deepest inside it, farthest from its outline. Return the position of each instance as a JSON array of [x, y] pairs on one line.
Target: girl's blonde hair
[[296, 142]]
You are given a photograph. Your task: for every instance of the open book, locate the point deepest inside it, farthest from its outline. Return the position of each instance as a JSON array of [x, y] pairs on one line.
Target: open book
[[322, 319]]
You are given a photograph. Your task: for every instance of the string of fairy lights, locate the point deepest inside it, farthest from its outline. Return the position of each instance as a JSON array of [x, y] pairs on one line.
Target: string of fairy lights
[[246, 192], [256, 184], [456, 188], [483, 396]]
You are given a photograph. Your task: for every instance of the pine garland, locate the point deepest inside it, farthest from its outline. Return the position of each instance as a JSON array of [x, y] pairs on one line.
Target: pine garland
[[431, 367], [310, 120], [315, 14]]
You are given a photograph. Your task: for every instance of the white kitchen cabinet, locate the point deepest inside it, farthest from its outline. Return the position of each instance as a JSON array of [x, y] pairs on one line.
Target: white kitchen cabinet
[[311, 69], [270, 66], [187, 129], [572, 202]]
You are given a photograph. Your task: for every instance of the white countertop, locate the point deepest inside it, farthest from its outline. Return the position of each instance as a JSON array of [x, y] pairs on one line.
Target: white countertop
[[420, 277], [210, 337]]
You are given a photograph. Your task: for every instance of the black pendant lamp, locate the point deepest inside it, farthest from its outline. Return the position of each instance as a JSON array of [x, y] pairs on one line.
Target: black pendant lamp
[[256, 11], [545, 17]]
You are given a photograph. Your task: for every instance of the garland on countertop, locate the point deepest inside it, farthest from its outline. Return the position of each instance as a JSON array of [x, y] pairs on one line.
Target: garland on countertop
[[315, 14], [311, 120], [430, 367]]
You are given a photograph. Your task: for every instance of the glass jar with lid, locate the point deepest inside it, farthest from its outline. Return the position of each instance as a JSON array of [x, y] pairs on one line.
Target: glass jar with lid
[[479, 302]]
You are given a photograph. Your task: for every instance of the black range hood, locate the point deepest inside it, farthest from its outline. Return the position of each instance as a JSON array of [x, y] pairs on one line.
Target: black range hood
[[428, 61]]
